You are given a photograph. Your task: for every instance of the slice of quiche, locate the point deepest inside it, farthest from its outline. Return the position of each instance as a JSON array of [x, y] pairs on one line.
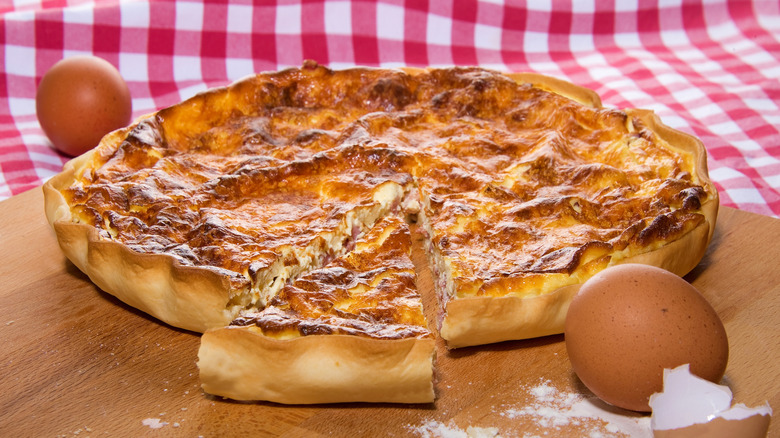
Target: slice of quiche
[[352, 330]]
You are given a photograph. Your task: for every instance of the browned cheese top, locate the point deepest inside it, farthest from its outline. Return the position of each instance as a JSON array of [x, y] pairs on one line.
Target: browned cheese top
[[514, 180], [368, 292]]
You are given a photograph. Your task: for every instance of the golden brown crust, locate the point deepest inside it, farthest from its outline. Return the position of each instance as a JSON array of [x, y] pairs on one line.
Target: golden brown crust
[[693, 146], [186, 297], [480, 320], [243, 364], [574, 92]]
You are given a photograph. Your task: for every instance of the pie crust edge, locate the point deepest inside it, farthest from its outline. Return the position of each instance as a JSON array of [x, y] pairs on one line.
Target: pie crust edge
[[243, 364]]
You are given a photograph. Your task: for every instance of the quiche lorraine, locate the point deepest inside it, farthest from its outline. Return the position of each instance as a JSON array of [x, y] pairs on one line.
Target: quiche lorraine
[[209, 213]]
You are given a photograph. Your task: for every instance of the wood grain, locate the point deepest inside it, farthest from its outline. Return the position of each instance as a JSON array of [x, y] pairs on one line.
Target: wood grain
[[75, 361]]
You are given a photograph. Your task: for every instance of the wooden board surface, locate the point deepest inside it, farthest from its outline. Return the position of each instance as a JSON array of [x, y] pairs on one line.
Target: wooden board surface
[[74, 361]]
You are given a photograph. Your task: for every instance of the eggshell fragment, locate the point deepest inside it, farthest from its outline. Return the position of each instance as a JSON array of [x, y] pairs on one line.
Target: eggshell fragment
[[629, 322], [690, 406], [79, 100]]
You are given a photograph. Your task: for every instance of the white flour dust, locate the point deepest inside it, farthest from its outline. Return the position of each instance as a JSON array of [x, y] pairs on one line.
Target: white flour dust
[[153, 423], [549, 413], [551, 410], [436, 429]]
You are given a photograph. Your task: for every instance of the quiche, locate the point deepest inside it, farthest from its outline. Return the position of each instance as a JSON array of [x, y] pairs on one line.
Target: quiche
[[230, 212]]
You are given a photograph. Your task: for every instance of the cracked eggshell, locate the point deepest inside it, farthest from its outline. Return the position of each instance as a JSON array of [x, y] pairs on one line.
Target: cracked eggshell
[[690, 406]]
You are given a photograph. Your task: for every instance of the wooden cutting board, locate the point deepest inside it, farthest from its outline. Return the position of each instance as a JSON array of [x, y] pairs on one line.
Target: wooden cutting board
[[76, 361]]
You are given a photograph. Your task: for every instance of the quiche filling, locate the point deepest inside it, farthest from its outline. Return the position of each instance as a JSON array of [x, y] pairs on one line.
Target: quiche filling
[[274, 181], [368, 292]]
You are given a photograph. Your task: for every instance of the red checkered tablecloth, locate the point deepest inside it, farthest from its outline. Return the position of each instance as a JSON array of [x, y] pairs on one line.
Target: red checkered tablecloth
[[712, 69]]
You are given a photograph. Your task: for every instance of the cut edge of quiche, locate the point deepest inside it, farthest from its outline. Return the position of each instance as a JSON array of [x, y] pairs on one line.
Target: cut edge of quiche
[[342, 348]]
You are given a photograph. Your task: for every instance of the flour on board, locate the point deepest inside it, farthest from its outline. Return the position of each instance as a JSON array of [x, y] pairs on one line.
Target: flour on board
[[549, 412], [437, 429], [552, 410]]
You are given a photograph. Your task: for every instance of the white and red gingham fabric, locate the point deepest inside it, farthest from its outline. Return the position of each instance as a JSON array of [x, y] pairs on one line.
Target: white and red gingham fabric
[[710, 68]]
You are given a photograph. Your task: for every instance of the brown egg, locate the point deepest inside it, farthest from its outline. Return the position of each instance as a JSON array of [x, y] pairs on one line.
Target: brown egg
[[629, 322], [79, 100]]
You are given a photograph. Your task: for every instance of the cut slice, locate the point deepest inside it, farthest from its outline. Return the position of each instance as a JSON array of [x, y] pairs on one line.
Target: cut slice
[[353, 330]]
